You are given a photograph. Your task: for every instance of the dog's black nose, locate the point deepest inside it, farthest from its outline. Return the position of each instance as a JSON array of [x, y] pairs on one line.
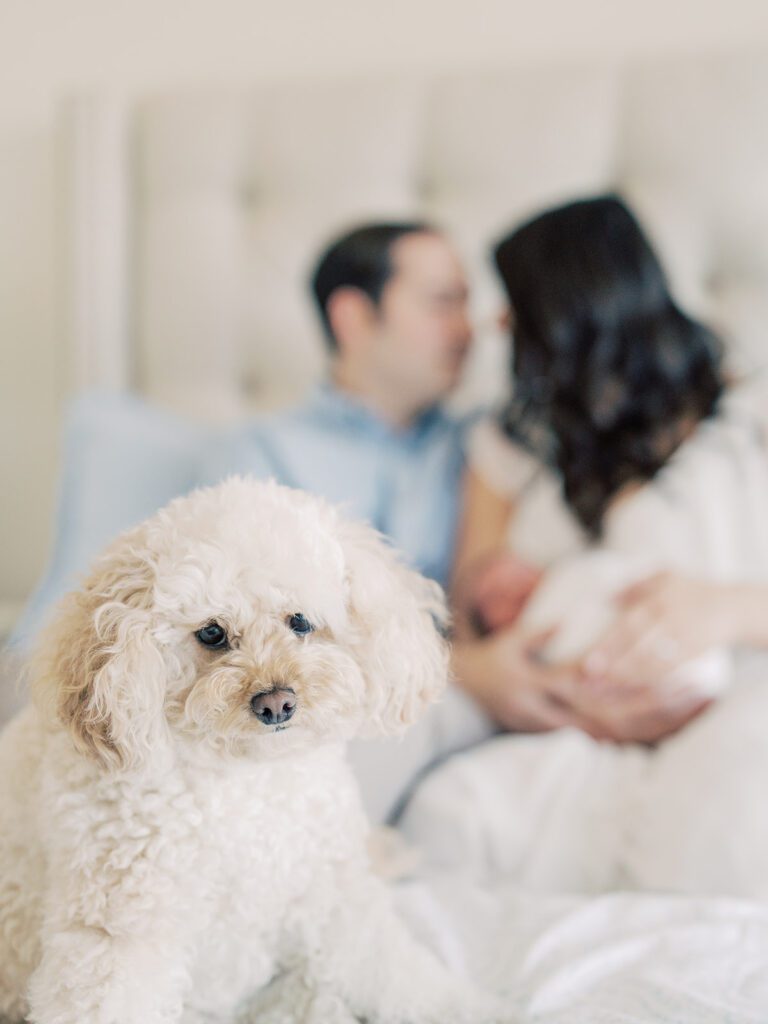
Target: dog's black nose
[[274, 707]]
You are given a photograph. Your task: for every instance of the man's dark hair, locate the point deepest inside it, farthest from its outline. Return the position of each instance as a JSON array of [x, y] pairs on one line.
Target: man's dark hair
[[359, 259]]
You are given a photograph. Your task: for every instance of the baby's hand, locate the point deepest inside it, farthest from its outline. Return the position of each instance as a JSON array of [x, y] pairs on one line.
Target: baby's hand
[[499, 589]]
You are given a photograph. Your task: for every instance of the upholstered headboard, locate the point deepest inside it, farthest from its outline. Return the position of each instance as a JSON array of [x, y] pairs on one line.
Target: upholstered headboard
[[193, 219]]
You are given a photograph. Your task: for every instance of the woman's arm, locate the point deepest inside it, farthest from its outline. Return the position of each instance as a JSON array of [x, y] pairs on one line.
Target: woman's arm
[[484, 523], [485, 519]]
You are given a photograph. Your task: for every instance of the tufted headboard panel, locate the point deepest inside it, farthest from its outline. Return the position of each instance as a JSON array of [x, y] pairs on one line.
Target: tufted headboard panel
[[193, 219]]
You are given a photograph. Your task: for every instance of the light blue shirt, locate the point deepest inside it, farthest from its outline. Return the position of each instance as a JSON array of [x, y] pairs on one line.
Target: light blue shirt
[[124, 459], [405, 482]]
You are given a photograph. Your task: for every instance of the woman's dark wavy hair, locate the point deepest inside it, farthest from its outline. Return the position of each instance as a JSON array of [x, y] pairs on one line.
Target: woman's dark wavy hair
[[608, 372]]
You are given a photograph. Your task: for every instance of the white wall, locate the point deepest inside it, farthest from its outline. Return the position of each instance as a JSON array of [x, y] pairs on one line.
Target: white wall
[[49, 49]]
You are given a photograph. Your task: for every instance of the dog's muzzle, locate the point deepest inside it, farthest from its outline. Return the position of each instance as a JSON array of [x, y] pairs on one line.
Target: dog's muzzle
[[275, 706]]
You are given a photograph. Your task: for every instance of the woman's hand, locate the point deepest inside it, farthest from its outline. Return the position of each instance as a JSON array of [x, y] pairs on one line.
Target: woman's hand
[[506, 676], [640, 714], [662, 622]]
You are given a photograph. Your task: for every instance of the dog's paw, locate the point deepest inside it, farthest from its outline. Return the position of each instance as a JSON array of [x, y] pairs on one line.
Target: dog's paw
[[290, 1001], [477, 1008]]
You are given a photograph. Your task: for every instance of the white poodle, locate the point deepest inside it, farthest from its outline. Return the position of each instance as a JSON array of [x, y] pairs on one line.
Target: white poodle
[[178, 825]]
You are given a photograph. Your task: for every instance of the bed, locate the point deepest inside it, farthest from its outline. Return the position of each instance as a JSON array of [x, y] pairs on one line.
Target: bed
[[191, 223]]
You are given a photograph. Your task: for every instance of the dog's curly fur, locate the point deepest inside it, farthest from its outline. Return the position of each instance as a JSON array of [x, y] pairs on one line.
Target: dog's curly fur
[[163, 854]]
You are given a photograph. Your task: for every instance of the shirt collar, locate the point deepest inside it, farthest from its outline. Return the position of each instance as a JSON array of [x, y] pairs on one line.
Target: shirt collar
[[331, 403]]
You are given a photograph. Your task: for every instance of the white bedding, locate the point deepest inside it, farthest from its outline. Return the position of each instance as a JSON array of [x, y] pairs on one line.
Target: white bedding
[[505, 827], [614, 959]]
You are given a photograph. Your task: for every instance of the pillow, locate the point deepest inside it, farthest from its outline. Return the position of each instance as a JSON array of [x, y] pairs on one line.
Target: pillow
[[122, 460]]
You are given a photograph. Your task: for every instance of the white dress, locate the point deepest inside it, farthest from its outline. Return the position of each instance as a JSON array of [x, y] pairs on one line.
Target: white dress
[[563, 813]]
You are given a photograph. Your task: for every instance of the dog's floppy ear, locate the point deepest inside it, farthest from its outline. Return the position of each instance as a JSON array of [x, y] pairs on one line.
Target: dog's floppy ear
[[99, 671], [399, 619]]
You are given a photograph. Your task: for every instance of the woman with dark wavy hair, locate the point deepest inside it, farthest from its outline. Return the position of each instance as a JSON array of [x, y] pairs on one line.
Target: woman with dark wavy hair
[[619, 404], [609, 375]]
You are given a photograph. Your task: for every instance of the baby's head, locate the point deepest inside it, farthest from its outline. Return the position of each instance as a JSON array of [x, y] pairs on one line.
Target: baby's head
[[245, 620]]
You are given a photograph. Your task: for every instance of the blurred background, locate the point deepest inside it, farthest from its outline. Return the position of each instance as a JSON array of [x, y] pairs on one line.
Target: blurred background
[[169, 171]]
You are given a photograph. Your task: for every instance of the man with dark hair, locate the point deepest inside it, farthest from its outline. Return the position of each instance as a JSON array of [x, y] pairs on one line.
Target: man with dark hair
[[392, 299]]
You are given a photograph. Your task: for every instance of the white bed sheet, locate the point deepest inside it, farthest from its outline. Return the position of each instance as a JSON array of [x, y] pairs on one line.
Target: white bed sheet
[[507, 826], [622, 958]]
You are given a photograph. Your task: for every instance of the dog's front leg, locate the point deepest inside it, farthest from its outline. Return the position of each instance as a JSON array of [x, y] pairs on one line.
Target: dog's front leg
[[87, 976], [366, 953], [123, 892]]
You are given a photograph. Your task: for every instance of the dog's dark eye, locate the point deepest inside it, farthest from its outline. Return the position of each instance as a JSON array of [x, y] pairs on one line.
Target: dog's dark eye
[[300, 624], [213, 635]]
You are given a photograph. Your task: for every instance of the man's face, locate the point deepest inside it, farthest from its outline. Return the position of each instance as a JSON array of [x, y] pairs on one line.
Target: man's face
[[422, 333]]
